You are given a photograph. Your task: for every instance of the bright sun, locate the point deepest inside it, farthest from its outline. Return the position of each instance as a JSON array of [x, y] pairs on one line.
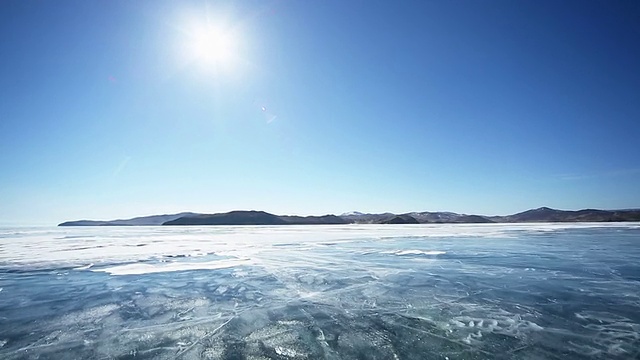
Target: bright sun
[[213, 48]]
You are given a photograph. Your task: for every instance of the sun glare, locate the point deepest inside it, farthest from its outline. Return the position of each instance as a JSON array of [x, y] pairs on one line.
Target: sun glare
[[212, 48]]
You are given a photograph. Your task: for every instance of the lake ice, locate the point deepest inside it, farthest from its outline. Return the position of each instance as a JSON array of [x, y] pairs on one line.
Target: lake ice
[[489, 291]]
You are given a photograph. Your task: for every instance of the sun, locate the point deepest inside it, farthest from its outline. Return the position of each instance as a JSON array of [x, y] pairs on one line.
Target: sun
[[211, 42], [211, 46]]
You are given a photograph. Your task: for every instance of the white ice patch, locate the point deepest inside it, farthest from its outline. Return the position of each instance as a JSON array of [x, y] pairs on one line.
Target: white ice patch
[[415, 252], [138, 269], [283, 351]]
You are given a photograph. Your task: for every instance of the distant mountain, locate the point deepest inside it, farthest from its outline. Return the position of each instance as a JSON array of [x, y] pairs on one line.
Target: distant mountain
[[254, 218], [543, 214], [352, 213], [472, 219], [361, 218], [84, 223], [436, 217], [401, 219], [315, 220], [414, 218], [138, 221]]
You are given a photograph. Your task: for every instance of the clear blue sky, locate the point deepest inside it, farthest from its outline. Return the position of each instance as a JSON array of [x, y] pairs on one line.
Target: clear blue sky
[[113, 109]]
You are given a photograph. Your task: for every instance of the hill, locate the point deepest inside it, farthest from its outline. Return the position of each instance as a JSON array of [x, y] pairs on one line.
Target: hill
[[137, 221], [545, 214], [254, 218], [239, 217]]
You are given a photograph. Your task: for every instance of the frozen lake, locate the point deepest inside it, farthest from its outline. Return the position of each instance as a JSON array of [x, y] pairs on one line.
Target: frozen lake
[[490, 291]]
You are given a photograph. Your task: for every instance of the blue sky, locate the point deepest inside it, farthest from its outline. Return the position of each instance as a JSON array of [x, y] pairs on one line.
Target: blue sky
[[114, 109]]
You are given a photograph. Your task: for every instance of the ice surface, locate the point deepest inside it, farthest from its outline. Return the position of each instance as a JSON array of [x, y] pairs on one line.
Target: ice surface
[[542, 291]]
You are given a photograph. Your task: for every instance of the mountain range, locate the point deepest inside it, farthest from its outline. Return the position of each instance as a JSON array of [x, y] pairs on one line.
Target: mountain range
[[238, 217]]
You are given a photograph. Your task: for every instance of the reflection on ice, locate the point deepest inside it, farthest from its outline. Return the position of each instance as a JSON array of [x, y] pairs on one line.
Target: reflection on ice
[[538, 292]]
